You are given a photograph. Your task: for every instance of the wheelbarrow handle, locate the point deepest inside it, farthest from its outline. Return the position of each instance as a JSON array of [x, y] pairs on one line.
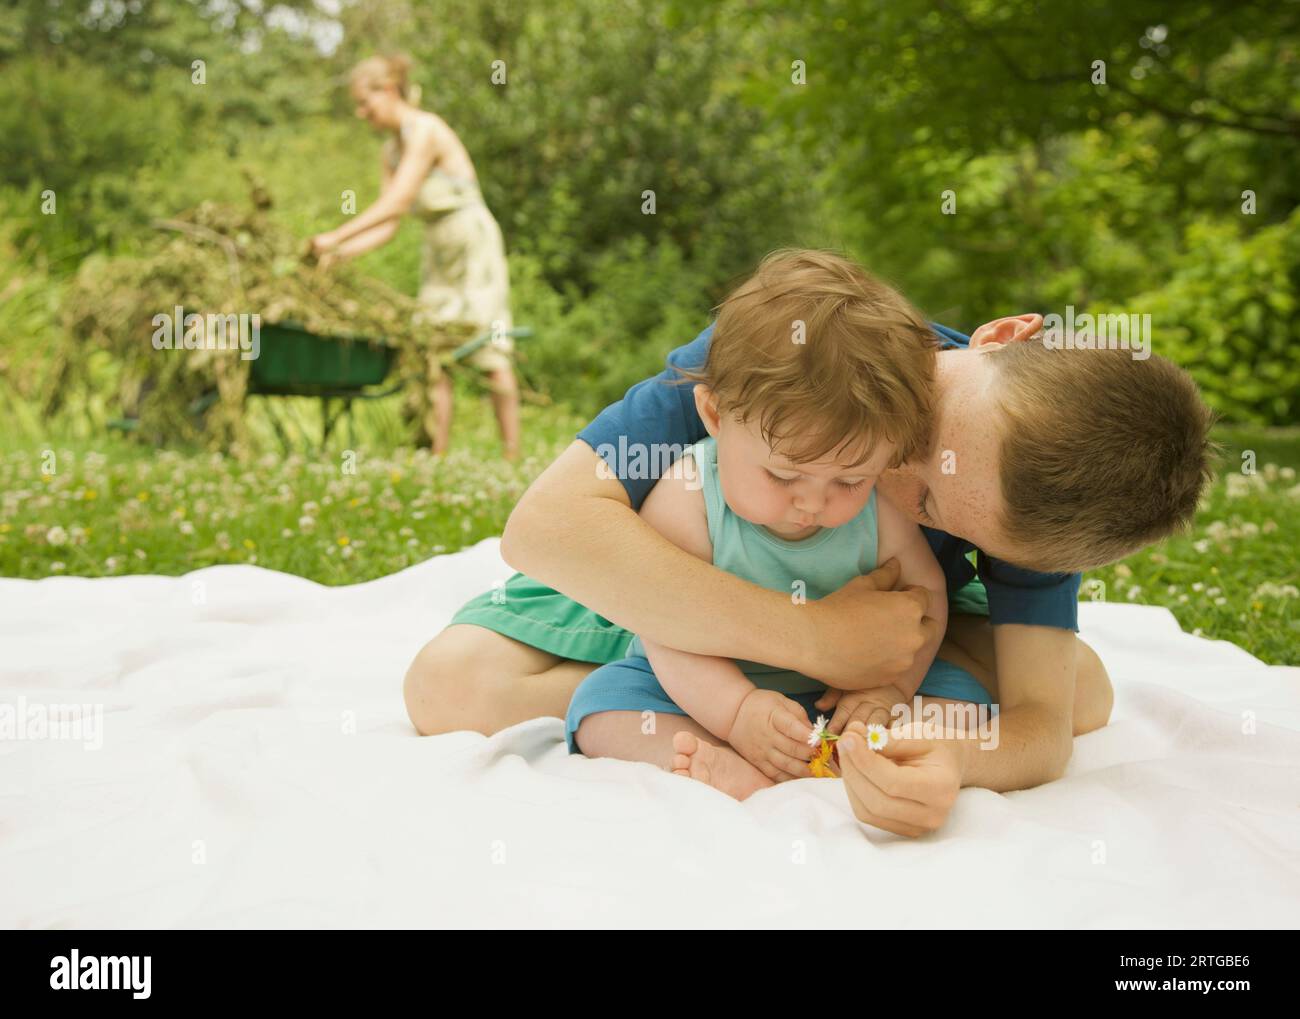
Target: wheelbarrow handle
[[467, 348]]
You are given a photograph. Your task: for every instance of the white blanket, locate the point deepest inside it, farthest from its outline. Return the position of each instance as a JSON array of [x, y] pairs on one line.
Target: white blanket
[[256, 768]]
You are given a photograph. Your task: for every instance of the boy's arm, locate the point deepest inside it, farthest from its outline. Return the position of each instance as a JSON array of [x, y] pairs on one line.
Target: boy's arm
[[909, 786], [1033, 733], [575, 530]]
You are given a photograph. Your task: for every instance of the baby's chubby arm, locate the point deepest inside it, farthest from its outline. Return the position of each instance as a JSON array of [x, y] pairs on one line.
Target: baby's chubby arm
[[898, 537], [767, 729]]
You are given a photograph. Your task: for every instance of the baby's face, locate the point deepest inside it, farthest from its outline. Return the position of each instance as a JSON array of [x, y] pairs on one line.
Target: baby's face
[[791, 499]]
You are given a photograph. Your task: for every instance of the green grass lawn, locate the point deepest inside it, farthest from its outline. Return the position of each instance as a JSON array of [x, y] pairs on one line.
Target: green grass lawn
[[108, 507]]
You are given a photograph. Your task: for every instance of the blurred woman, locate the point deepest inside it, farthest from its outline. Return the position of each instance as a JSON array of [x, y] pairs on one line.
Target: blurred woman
[[427, 172]]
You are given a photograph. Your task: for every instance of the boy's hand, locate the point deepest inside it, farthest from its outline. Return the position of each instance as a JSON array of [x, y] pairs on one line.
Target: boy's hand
[[908, 787], [771, 732], [867, 630], [870, 707]]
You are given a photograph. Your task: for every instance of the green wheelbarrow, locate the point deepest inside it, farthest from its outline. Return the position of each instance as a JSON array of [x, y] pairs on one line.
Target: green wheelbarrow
[[334, 369]]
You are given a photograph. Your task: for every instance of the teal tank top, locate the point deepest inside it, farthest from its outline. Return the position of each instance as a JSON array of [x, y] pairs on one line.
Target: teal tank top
[[812, 568]]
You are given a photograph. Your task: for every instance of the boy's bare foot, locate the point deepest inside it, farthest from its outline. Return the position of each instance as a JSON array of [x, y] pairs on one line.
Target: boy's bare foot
[[720, 767]]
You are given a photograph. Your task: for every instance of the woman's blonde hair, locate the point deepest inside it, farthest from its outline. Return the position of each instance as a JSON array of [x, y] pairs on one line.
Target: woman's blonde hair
[[394, 69]]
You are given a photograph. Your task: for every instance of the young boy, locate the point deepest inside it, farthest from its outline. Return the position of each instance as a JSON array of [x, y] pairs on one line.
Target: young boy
[[818, 379], [1040, 460]]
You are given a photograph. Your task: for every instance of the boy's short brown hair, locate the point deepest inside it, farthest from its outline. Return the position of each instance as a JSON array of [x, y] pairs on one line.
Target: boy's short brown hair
[[827, 359], [1101, 454]]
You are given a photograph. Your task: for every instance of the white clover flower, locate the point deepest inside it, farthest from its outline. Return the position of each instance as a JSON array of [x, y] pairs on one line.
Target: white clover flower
[[1268, 589], [186, 527], [57, 567], [56, 535], [306, 523]]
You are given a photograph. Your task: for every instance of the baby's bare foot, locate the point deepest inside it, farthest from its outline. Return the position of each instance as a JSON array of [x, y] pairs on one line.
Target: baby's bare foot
[[720, 767]]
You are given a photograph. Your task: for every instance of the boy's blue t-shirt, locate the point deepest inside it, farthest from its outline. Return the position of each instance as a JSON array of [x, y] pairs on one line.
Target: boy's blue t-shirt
[[661, 418]]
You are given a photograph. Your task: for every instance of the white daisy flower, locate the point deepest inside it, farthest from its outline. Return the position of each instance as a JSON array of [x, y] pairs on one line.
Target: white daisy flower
[[819, 728], [877, 737]]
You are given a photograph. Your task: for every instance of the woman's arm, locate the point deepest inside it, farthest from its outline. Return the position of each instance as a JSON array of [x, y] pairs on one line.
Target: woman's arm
[[575, 530], [375, 237], [420, 151], [329, 250]]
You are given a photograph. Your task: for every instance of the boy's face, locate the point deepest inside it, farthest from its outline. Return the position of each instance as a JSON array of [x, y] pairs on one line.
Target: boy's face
[[790, 499], [957, 486]]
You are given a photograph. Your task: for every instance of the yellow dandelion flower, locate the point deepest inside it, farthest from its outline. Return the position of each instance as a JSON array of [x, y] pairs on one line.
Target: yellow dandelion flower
[[344, 539], [820, 766]]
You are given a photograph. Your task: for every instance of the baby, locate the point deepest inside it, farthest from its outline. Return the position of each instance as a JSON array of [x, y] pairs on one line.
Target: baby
[[818, 378]]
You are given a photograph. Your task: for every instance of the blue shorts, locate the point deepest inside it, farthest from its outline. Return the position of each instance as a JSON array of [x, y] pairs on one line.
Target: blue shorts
[[630, 685]]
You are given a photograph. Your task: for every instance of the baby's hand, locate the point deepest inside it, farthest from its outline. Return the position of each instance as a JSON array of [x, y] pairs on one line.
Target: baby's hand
[[771, 732], [870, 707]]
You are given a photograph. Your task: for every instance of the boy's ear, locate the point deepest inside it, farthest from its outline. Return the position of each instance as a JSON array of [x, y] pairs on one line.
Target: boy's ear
[[1013, 329], [707, 405]]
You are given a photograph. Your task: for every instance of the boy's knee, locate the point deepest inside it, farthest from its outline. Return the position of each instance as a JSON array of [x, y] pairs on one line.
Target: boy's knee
[[443, 692], [1094, 697]]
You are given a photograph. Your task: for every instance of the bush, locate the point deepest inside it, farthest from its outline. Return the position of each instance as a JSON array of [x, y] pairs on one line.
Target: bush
[[587, 349], [1229, 315]]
